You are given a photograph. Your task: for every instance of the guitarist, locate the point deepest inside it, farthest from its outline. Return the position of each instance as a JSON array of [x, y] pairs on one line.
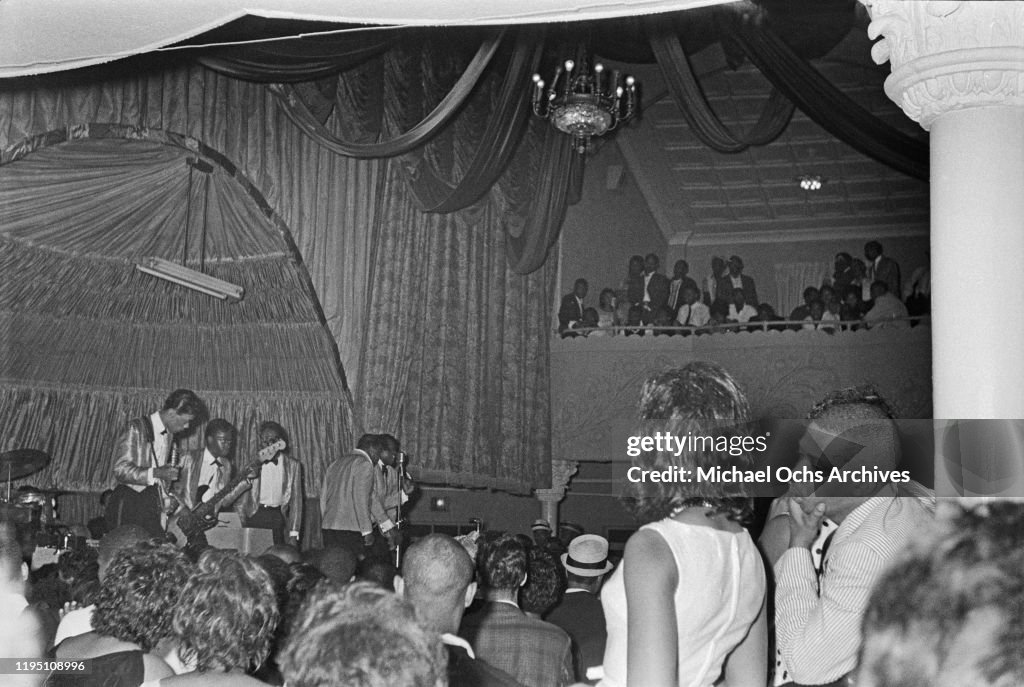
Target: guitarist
[[144, 463], [275, 501], [204, 474]]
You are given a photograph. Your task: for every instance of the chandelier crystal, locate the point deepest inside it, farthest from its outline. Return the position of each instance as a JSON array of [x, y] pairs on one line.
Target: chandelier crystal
[[584, 102]]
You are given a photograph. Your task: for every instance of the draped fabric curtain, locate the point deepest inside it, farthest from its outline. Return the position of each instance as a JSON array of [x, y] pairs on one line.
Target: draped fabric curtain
[[820, 100], [689, 98], [792, 278]]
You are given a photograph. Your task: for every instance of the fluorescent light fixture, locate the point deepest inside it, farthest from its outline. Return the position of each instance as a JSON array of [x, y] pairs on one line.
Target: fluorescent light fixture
[[191, 279]]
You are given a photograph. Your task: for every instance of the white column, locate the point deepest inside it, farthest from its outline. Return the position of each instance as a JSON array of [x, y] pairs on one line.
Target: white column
[[958, 70]]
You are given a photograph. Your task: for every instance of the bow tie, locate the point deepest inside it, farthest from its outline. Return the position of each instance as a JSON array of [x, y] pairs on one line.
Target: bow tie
[[383, 469], [216, 463], [274, 459]]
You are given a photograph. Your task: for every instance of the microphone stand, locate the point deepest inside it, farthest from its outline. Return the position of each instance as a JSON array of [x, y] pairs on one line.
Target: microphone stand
[[398, 514]]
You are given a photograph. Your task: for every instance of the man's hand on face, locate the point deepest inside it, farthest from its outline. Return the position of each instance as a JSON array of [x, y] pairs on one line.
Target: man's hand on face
[[803, 527]]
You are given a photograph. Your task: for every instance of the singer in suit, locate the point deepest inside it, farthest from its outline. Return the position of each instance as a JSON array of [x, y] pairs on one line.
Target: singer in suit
[[145, 464], [359, 493], [275, 501]]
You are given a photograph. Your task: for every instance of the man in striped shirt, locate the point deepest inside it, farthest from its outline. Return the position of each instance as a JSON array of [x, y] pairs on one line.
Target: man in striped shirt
[[819, 607]]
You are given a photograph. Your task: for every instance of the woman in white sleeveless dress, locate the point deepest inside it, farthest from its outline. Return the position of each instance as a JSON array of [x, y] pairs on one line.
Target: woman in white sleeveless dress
[[687, 604]]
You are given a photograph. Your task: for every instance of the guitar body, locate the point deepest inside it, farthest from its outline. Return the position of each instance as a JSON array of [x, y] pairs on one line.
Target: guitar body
[[190, 526]]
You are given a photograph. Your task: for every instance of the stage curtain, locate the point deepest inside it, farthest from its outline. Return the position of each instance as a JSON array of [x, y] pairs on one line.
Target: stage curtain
[[823, 102], [689, 98]]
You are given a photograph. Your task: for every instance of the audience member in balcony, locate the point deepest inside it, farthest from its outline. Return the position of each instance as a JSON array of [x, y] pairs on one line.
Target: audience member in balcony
[[887, 311], [739, 309], [570, 312], [852, 309], [860, 279], [833, 309], [827, 294], [680, 281], [843, 275], [882, 268], [632, 289], [719, 315], [634, 321], [663, 324], [765, 315], [801, 312], [687, 604], [656, 287], [692, 313], [590, 323], [735, 279], [917, 293], [607, 314], [718, 270], [820, 319]]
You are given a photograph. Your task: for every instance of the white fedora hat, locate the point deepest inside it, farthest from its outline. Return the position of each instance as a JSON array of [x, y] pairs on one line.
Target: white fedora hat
[[587, 556]]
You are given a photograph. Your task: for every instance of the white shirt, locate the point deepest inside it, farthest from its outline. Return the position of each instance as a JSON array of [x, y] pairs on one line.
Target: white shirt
[[210, 475], [743, 315], [698, 313], [272, 484], [76, 622], [453, 640], [647, 281]]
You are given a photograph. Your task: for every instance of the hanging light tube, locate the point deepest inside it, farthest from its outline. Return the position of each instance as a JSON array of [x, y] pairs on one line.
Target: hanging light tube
[[189, 278]]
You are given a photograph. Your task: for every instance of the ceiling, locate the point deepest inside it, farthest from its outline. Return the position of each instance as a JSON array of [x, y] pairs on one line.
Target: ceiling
[[696, 193]]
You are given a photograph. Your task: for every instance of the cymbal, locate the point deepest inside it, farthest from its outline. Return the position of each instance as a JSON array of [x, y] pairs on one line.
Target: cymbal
[[21, 462]]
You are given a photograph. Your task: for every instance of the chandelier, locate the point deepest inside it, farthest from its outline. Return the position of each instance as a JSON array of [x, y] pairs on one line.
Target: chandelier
[[584, 102]]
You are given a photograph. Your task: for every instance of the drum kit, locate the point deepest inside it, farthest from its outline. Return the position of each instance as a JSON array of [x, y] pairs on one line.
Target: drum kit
[[31, 510]]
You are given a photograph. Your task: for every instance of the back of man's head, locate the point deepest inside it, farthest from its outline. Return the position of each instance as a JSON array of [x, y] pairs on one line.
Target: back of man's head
[[503, 564], [116, 539], [370, 443], [360, 635], [854, 427], [436, 573], [336, 563]]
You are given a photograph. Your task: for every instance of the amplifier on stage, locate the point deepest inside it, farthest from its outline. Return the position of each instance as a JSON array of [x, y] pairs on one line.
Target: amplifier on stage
[[229, 534]]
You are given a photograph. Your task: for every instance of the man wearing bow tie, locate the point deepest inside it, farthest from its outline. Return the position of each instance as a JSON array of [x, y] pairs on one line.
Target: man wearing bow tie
[[275, 501], [359, 493], [145, 464], [206, 472]]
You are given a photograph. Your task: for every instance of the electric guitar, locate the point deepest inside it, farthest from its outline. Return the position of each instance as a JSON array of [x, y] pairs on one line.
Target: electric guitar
[[192, 524]]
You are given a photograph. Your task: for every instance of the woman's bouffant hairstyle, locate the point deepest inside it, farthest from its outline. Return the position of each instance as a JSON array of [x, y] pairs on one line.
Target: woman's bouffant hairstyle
[[137, 597], [700, 399], [226, 614]]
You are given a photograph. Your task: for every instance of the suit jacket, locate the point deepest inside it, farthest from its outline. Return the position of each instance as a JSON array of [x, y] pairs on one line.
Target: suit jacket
[[351, 497], [889, 272], [134, 456], [675, 293], [725, 287], [657, 289], [465, 671], [568, 311], [191, 467], [291, 498], [581, 615], [534, 652]]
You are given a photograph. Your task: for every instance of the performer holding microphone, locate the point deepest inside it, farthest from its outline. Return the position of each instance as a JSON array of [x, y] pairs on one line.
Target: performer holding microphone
[[360, 500]]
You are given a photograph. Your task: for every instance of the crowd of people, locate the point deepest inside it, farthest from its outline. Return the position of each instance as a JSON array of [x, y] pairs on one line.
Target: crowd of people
[[859, 584], [860, 293]]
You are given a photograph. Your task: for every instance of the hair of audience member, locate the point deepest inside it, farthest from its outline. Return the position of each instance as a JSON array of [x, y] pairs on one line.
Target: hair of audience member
[[185, 402], [79, 565], [965, 579], [116, 539], [286, 552], [337, 564], [218, 424], [304, 577], [380, 570], [503, 563], [436, 572], [704, 400], [279, 574], [360, 635], [84, 593], [226, 613], [139, 592], [545, 583]]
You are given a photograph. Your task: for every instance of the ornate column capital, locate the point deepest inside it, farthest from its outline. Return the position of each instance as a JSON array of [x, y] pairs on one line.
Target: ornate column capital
[[949, 55], [561, 472]]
